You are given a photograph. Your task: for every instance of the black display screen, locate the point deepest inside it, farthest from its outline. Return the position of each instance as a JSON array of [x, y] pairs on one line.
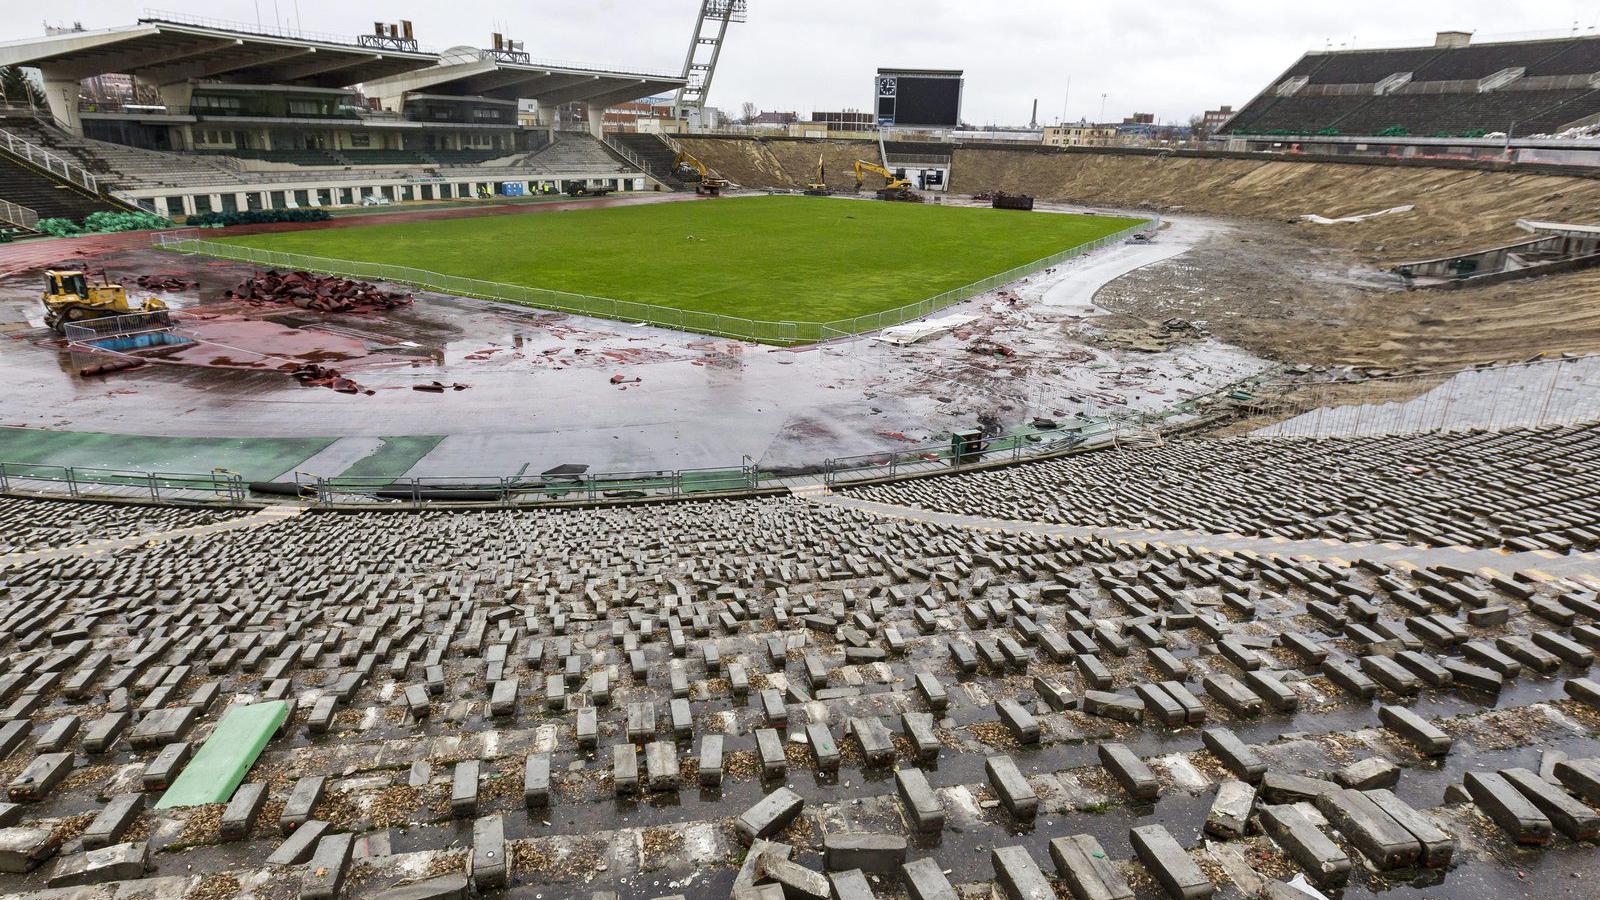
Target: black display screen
[[919, 100], [927, 101]]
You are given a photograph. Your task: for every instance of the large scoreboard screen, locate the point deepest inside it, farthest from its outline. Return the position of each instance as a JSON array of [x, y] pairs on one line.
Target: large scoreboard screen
[[927, 97]]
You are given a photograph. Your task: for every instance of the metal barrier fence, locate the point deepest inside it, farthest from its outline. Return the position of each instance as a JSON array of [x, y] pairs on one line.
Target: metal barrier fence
[[50, 162], [97, 346], [87, 330], [125, 484], [1551, 392], [1515, 395], [528, 490], [21, 216], [767, 332]]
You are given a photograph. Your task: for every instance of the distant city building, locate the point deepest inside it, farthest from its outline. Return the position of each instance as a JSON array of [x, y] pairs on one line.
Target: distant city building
[[775, 118], [626, 116], [846, 120], [1216, 118], [106, 91], [1150, 134], [1080, 134], [1140, 119]]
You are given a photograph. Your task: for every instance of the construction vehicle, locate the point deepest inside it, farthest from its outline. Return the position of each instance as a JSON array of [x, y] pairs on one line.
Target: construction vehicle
[[69, 296], [819, 182], [894, 189], [693, 171], [584, 189]]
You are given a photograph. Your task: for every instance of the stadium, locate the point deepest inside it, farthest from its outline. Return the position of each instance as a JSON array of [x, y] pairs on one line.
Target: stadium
[[439, 472]]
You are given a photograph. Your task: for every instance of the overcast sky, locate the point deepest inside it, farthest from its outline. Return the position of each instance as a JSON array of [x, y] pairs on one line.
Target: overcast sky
[[1173, 59]]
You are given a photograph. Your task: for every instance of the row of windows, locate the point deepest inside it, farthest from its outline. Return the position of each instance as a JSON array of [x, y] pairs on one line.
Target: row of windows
[[341, 196]]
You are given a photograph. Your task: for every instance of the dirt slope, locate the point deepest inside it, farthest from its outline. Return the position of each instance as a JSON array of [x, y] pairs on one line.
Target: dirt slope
[[1276, 291], [1456, 209], [784, 164], [744, 162]]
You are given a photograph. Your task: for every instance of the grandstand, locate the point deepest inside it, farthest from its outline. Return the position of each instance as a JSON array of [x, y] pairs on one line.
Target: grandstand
[[1515, 489], [1454, 89], [35, 190], [267, 121], [626, 686]]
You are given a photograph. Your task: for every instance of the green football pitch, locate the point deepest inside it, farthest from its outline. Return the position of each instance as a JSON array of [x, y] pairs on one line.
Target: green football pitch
[[771, 258]]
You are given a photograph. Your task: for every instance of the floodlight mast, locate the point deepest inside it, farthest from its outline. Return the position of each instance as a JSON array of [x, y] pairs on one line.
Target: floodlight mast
[[704, 48]]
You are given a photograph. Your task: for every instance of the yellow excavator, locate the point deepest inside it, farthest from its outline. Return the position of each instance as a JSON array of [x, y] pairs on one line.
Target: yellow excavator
[[819, 182], [692, 170], [894, 189], [69, 296]]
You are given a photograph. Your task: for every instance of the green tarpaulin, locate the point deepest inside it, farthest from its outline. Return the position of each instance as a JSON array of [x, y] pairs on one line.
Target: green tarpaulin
[[226, 756]]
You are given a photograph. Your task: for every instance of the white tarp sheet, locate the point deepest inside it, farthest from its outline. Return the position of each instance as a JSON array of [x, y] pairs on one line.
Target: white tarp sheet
[[911, 332], [1346, 220]]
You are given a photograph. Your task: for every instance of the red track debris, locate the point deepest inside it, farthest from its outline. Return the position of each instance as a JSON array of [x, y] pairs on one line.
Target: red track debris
[[321, 293], [313, 375], [164, 283]]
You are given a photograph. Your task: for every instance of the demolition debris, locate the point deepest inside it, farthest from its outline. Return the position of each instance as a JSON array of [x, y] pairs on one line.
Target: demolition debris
[[164, 283], [320, 293], [313, 375]]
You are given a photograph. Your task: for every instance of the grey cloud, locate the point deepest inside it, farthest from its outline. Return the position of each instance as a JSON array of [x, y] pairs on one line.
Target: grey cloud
[[1168, 58]]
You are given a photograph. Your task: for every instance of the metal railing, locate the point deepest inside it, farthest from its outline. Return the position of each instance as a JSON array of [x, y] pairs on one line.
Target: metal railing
[[20, 216], [1112, 429], [273, 29], [50, 162], [91, 482], [1538, 394], [783, 333], [630, 157], [518, 490], [523, 491], [88, 330]]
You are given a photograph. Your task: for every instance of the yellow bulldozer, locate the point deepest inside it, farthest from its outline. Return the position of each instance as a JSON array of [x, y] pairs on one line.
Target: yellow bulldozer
[[894, 188], [70, 296]]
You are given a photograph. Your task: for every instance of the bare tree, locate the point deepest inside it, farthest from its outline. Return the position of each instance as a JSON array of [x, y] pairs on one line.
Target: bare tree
[[748, 112], [1198, 129]]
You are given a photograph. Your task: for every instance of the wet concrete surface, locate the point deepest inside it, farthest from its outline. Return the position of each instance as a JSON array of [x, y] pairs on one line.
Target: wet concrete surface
[[541, 391]]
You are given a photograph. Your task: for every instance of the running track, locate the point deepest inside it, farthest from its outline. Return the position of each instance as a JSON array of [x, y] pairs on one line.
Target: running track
[[24, 256]]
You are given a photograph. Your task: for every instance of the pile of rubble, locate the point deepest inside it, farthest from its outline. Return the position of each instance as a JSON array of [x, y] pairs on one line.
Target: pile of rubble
[[322, 293], [164, 283], [313, 375]]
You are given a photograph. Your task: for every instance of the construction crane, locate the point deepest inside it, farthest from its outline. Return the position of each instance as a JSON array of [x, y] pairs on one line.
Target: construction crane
[[695, 172], [69, 296], [894, 189], [819, 182]]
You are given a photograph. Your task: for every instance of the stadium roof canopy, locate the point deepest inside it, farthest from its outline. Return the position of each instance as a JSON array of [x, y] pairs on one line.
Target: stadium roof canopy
[[469, 72], [160, 52]]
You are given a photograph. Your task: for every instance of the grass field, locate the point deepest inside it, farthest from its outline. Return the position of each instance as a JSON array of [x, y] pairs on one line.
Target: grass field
[[776, 258]]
